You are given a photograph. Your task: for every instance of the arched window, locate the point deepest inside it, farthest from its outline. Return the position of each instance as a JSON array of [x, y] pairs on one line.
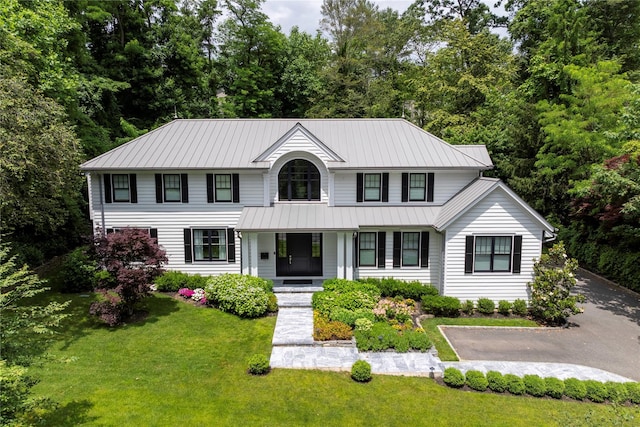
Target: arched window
[[299, 180]]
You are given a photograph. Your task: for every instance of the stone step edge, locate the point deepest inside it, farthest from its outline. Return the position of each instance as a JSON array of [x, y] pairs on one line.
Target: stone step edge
[[295, 290]]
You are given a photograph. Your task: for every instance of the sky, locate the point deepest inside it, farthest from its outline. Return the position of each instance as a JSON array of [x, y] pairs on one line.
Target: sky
[[306, 13]]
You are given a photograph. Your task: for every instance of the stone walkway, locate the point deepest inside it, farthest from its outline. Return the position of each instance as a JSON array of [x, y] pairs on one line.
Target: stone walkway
[[294, 348]]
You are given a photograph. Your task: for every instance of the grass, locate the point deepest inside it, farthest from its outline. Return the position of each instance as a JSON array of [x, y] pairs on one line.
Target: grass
[[445, 352], [186, 365]]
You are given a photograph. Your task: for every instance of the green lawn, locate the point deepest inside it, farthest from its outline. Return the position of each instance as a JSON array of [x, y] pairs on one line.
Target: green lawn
[[445, 352], [185, 366]]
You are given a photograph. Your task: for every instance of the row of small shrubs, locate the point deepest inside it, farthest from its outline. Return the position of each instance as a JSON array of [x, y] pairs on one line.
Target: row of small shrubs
[[537, 386], [390, 287], [243, 295], [173, 281], [381, 336], [443, 306]]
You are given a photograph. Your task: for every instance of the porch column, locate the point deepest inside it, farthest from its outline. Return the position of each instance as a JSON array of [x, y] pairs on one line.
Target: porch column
[[340, 255], [253, 249], [244, 253], [349, 256]]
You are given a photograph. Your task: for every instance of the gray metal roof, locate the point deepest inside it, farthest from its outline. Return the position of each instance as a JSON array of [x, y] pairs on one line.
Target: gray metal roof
[[235, 143], [478, 152]]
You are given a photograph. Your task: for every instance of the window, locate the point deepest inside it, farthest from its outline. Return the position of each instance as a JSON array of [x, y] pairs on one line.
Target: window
[[492, 254], [223, 188], [299, 179], [172, 191], [372, 187], [367, 249], [410, 249], [210, 245], [417, 187], [120, 188]]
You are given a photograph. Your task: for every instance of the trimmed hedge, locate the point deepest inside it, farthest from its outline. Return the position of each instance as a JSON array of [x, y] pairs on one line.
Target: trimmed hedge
[[361, 371], [453, 377], [496, 382], [575, 389], [172, 281], [258, 364], [441, 306], [596, 391], [486, 306], [554, 387], [515, 384], [476, 380], [504, 307], [519, 307], [245, 296], [617, 392], [467, 307], [390, 287], [634, 392], [534, 385]]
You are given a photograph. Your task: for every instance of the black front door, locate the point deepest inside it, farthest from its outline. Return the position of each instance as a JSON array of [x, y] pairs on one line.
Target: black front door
[[299, 254]]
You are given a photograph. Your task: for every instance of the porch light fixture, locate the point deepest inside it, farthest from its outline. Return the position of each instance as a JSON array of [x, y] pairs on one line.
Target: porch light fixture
[[239, 234], [355, 234]]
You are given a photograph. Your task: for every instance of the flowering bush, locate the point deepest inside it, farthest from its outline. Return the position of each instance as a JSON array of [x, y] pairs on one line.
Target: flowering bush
[[185, 292], [398, 309], [198, 294], [246, 296]]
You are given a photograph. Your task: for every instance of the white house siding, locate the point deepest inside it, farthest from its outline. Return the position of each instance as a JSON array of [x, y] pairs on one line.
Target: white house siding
[[496, 214], [299, 142], [429, 275], [278, 164]]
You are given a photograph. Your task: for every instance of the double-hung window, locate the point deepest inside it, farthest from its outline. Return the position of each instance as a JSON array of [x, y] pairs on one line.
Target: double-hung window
[[223, 187], [417, 187], [172, 192], [492, 254], [410, 249], [372, 185], [121, 188], [367, 249], [210, 245]]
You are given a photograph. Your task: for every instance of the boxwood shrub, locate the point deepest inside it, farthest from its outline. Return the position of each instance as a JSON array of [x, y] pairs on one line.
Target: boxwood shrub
[[441, 306], [476, 380], [554, 387], [486, 306], [617, 392], [171, 281], [258, 364], [596, 391], [634, 392], [243, 295], [504, 307], [361, 371], [515, 385], [534, 385], [496, 382], [342, 286], [575, 389], [468, 306], [519, 307], [453, 377], [390, 287]]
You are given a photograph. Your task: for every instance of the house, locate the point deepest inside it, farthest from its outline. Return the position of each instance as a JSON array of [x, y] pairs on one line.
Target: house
[[300, 199]]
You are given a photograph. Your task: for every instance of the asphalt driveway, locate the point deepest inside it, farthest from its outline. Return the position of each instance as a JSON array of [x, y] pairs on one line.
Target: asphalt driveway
[[605, 336]]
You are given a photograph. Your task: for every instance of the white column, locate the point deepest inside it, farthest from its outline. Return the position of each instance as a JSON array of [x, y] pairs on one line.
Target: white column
[[331, 188], [244, 251], [253, 249], [340, 255], [266, 191], [349, 256]]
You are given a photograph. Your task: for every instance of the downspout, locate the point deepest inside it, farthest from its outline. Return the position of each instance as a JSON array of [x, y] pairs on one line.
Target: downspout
[[103, 229]]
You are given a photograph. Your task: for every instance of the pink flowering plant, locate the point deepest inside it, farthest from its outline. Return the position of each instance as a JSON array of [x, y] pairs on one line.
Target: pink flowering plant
[[185, 292], [397, 309], [196, 295]]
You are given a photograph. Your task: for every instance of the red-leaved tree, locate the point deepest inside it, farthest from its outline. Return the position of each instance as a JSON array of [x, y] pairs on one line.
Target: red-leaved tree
[[128, 261]]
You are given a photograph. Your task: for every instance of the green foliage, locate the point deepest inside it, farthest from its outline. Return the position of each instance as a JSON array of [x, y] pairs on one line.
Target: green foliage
[[341, 286], [504, 307], [617, 392], [172, 281], [351, 316], [554, 387], [453, 377], [596, 391], [552, 300], [468, 306], [390, 287], [15, 389], [363, 324], [476, 380], [633, 390], [519, 307], [441, 306], [243, 295], [361, 371], [272, 304], [382, 336], [258, 364], [514, 384], [327, 301], [496, 382], [534, 385], [77, 272], [486, 306], [325, 329], [575, 389]]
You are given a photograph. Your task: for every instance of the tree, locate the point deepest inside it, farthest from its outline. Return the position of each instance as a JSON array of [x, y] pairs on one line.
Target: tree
[[130, 259], [552, 300]]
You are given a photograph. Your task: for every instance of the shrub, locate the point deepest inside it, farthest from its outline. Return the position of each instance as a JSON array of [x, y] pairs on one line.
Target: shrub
[[504, 307], [418, 340], [327, 301], [272, 302], [575, 389], [172, 281], [245, 296], [380, 337], [534, 385], [196, 281], [397, 308], [361, 371], [634, 392], [617, 392], [77, 272], [596, 391], [496, 382], [258, 364], [514, 384], [468, 306], [476, 380], [552, 300], [325, 330], [441, 306], [519, 307], [389, 287], [350, 316], [342, 286], [363, 324], [554, 387], [486, 306], [453, 377]]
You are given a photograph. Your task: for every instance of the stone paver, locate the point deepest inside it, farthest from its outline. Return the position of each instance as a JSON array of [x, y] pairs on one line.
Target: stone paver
[[294, 326], [310, 357], [294, 299]]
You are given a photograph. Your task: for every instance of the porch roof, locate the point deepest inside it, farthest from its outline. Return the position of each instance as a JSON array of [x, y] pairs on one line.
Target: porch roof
[[320, 217]]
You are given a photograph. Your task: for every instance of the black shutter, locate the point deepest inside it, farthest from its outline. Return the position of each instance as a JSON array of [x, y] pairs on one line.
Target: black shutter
[[153, 233], [382, 243], [424, 249], [187, 246], [397, 248], [231, 245], [430, 179], [360, 187], [236, 187], [356, 252], [107, 188], [517, 253], [405, 187], [468, 255], [385, 187], [159, 197], [133, 184], [184, 186], [210, 188]]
